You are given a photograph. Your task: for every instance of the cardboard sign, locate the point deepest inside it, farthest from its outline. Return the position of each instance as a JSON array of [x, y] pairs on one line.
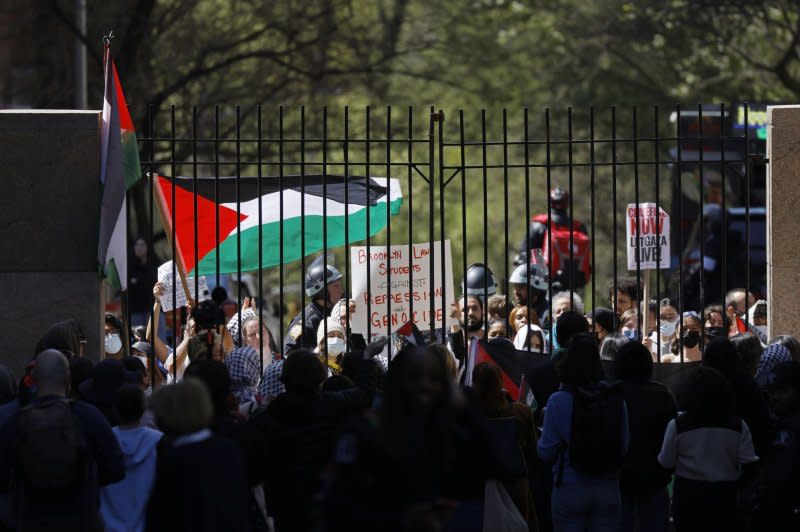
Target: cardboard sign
[[397, 278], [653, 237]]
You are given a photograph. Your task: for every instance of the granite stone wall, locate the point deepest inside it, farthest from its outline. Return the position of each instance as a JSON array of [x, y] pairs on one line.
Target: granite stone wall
[[49, 174]]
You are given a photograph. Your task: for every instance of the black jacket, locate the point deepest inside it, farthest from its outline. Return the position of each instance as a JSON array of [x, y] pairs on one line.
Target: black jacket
[[288, 445], [650, 407], [199, 486]]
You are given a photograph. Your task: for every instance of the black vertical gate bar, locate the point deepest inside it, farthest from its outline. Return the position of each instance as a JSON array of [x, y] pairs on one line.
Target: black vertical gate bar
[[485, 225], [656, 146], [702, 226], [175, 279], [367, 176], [645, 305], [505, 213], [527, 259], [463, 224], [281, 237], [571, 211], [239, 222], [194, 198], [746, 211], [614, 208], [441, 225], [303, 222], [723, 169], [216, 186], [592, 207], [410, 212], [151, 242], [260, 300], [679, 197], [346, 149], [389, 220], [432, 220], [553, 339], [325, 217]]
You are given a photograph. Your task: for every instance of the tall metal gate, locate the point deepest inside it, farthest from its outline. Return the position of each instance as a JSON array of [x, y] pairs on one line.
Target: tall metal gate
[[475, 178]]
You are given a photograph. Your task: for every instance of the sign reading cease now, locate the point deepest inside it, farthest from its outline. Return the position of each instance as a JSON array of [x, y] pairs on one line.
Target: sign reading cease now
[[652, 243]]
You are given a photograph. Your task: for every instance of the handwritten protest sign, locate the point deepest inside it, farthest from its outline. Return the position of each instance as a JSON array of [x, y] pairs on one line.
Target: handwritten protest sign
[[398, 279], [653, 237], [166, 279]]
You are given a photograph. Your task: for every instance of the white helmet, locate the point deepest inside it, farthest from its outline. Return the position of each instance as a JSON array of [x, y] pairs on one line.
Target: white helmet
[[534, 274]]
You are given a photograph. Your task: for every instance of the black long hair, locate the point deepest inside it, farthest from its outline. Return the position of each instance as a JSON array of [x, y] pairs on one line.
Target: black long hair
[[708, 397], [397, 406], [581, 365]]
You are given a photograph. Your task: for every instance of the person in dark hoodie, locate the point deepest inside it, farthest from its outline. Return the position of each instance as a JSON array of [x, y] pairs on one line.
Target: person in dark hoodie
[[123, 504], [200, 478], [643, 482], [288, 444]]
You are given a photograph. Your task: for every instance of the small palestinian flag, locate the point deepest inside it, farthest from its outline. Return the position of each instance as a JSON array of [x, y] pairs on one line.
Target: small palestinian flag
[[508, 359], [119, 171], [315, 205]]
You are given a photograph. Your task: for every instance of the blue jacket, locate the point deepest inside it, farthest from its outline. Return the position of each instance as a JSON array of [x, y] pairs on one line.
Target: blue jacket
[[123, 505], [556, 434]]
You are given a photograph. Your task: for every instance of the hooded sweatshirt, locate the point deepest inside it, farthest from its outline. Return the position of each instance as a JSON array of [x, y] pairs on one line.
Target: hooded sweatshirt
[[123, 505]]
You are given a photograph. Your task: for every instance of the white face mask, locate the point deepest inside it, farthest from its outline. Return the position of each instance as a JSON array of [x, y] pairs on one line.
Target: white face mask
[[113, 343], [336, 346], [668, 328]]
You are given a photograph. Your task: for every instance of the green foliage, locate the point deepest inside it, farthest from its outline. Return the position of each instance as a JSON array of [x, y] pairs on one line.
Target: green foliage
[[458, 54]]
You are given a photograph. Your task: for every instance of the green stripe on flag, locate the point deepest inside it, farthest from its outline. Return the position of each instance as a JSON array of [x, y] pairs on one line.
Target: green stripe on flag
[[314, 242], [131, 168]]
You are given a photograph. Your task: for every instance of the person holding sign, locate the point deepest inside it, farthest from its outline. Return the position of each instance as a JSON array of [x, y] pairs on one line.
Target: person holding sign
[[324, 287]]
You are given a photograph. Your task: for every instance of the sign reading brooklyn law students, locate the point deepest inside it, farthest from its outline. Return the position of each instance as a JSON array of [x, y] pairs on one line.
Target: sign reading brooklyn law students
[[398, 286], [653, 236]]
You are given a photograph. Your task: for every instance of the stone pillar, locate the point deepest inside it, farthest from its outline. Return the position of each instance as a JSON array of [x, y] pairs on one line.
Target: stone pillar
[[783, 222], [49, 213]]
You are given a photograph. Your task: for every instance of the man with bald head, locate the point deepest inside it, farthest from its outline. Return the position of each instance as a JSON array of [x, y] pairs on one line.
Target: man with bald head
[[55, 454]]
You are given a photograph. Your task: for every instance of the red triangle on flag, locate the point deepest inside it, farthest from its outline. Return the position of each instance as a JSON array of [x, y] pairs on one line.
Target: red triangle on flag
[[185, 220], [502, 357], [125, 122]]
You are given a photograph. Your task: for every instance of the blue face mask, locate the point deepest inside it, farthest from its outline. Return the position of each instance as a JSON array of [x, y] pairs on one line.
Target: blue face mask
[[630, 334]]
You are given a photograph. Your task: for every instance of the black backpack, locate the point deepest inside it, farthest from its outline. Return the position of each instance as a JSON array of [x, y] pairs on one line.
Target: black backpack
[[52, 449], [596, 446]]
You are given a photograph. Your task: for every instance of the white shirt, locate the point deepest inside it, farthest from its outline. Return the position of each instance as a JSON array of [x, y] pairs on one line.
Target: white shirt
[[710, 454]]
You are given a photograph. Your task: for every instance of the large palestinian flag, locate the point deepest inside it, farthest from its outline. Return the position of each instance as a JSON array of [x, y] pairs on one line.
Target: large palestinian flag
[[119, 171], [314, 205]]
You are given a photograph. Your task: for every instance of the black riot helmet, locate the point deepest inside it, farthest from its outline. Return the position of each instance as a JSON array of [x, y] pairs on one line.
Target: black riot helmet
[[559, 199], [317, 276], [480, 281]]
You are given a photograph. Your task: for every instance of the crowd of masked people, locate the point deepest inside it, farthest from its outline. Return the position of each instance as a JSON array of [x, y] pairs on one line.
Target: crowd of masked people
[[223, 430]]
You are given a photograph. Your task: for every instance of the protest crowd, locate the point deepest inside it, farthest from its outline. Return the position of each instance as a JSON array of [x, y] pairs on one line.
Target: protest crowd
[[226, 427]]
